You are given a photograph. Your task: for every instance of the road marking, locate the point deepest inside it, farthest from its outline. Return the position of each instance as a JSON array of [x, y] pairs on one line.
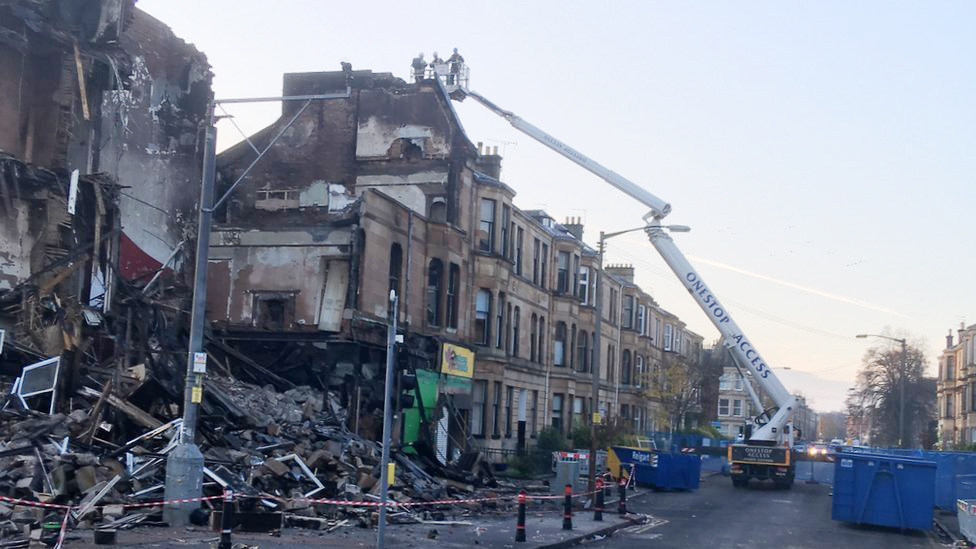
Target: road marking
[[782, 501], [641, 528]]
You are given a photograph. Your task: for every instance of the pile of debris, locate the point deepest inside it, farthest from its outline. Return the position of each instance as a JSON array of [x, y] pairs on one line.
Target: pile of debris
[[280, 451]]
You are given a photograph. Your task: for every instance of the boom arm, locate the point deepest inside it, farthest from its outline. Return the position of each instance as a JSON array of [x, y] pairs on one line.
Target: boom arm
[[735, 340], [659, 208]]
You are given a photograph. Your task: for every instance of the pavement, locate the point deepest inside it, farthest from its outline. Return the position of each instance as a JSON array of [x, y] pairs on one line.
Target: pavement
[[543, 530]]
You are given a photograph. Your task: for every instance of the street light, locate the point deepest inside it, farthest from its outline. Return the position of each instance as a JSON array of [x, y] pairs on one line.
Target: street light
[[595, 393], [184, 464], [901, 382]]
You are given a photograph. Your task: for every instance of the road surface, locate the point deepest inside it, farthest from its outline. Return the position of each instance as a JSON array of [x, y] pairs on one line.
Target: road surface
[[718, 516]]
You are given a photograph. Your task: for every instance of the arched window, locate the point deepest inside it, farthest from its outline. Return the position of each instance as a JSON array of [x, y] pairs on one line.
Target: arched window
[[559, 345], [625, 367], [533, 337], [435, 283]]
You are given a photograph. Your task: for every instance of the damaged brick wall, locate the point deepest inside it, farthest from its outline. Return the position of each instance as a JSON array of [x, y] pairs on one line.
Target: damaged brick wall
[[129, 98], [398, 141]]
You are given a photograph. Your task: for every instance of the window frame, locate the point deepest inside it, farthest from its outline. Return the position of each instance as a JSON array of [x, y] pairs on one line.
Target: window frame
[[483, 338], [486, 226], [435, 292]]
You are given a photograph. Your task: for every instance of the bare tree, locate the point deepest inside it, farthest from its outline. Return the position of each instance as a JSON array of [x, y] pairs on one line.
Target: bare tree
[[678, 389], [873, 406]]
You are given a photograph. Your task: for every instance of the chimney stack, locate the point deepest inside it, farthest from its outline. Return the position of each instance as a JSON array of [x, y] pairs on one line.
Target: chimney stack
[[949, 340], [575, 227]]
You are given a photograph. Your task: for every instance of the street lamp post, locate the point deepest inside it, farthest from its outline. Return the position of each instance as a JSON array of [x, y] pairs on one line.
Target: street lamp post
[[901, 383], [184, 464], [597, 336]]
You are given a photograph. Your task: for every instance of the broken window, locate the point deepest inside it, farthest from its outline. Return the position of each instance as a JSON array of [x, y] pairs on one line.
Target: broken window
[[406, 148], [435, 278], [38, 382], [486, 227], [559, 345], [274, 310], [453, 281], [482, 315], [279, 199], [396, 266]]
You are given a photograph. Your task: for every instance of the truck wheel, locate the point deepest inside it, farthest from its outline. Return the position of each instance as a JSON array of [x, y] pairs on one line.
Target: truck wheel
[[739, 482]]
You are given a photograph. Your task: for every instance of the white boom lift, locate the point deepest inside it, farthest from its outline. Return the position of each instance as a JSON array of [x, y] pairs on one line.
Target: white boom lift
[[758, 454]]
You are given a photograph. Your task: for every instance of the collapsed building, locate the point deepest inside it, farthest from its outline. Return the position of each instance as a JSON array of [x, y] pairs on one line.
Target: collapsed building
[[100, 111], [354, 199]]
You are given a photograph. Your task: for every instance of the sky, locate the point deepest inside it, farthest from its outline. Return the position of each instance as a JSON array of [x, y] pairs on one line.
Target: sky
[[821, 152]]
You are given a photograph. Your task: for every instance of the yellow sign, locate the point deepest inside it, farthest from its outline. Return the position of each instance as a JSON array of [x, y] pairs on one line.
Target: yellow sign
[[457, 360], [390, 474], [197, 395], [596, 418]]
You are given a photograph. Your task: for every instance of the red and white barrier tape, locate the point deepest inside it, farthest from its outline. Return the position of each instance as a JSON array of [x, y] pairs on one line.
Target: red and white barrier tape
[[169, 502], [30, 503], [64, 529]]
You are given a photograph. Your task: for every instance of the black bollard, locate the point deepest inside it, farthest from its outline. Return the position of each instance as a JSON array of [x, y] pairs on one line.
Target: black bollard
[[622, 488], [598, 506], [226, 520], [520, 526], [568, 509]]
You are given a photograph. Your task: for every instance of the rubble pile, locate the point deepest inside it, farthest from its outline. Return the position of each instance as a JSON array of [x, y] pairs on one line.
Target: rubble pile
[[280, 451]]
